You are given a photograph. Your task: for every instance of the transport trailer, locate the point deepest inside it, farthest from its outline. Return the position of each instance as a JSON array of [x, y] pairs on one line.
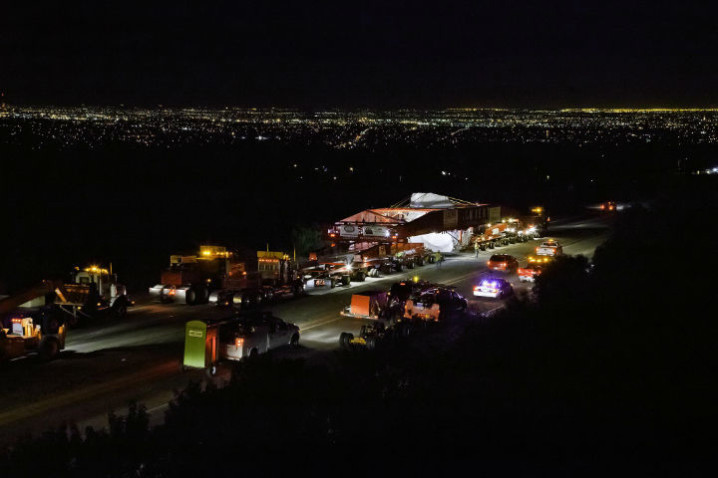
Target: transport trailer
[[508, 231]]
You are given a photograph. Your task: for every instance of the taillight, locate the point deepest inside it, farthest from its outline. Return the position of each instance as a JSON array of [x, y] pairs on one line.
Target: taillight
[[476, 287], [238, 342]]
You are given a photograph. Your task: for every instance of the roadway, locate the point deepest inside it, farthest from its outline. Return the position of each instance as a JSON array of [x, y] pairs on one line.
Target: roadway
[[107, 365]]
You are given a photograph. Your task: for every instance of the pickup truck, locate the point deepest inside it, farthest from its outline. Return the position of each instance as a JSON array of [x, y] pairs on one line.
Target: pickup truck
[[549, 248], [434, 305], [251, 336]]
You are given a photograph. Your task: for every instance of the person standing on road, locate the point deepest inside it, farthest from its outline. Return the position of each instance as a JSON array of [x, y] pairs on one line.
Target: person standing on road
[[439, 259], [476, 249]]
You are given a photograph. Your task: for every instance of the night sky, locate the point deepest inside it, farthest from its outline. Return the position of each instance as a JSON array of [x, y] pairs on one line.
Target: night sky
[[353, 54]]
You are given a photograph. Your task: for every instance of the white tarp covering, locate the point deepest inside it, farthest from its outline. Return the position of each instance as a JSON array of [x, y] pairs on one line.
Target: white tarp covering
[[436, 241], [430, 200]]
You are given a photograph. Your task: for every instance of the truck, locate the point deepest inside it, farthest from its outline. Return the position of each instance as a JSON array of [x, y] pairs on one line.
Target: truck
[[92, 292], [189, 279], [39, 330], [276, 278], [219, 276], [434, 304], [211, 342], [550, 247]]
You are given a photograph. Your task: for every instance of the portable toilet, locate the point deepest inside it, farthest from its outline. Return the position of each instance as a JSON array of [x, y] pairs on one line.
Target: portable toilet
[[201, 345]]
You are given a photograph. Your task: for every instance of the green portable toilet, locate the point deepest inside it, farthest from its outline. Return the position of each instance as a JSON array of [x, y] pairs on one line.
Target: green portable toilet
[[195, 344]]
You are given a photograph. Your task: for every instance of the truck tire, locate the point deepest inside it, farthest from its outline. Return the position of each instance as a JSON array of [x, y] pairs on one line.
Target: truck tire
[[371, 342], [212, 370], [345, 340], [410, 265], [202, 294], [191, 296], [49, 348], [119, 309], [346, 280], [360, 277]]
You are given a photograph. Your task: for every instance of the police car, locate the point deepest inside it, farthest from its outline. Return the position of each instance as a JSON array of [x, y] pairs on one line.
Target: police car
[[495, 288]]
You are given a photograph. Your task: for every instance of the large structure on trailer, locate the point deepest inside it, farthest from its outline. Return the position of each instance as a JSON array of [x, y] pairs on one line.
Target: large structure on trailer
[[439, 223], [407, 233]]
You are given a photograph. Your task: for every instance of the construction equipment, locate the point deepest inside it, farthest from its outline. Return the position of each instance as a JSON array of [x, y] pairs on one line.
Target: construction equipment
[[373, 334], [40, 330]]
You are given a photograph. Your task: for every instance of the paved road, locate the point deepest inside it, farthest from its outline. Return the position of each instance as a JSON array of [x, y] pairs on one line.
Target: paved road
[[107, 365]]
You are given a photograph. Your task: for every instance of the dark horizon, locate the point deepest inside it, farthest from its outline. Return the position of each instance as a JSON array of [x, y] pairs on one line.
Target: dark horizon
[[407, 54]]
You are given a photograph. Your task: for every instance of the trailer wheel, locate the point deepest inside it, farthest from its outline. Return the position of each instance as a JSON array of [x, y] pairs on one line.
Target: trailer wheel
[[345, 340], [49, 348]]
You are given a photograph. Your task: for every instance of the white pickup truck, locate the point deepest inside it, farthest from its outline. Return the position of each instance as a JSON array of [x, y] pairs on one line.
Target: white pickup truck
[[549, 248], [251, 336]]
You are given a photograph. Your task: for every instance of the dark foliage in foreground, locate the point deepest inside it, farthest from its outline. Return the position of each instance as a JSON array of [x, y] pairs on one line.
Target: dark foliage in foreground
[[612, 366]]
